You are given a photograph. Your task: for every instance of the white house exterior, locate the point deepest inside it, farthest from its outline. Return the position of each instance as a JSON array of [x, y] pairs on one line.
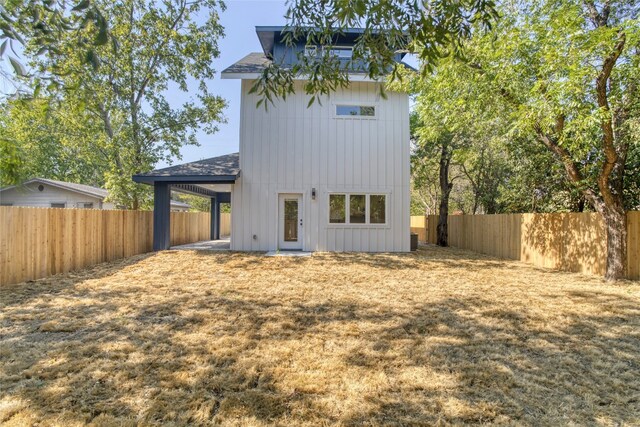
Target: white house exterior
[[49, 193], [330, 177], [290, 151]]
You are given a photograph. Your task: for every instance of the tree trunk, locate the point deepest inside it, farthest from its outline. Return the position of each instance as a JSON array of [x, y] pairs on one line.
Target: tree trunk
[[615, 222], [445, 190]]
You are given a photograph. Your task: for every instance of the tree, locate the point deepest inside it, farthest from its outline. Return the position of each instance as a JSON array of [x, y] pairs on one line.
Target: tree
[[160, 45], [50, 139], [569, 71], [41, 23], [426, 28]]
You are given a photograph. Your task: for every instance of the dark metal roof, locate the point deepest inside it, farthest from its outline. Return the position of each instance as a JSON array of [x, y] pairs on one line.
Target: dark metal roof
[[222, 169], [252, 63]]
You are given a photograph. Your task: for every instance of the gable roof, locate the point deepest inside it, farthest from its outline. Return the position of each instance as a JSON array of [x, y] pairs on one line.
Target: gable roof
[[84, 189], [88, 190]]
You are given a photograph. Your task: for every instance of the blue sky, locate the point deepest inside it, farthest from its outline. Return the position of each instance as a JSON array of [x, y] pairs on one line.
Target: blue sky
[[239, 20]]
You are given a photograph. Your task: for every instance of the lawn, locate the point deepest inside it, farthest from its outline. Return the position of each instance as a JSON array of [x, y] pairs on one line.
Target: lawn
[[441, 336]]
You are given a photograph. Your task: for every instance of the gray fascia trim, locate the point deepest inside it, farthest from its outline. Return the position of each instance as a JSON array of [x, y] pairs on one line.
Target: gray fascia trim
[[192, 179], [354, 77]]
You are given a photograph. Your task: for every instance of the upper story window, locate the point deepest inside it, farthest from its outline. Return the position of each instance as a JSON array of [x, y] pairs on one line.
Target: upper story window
[[356, 110], [311, 51], [342, 52]]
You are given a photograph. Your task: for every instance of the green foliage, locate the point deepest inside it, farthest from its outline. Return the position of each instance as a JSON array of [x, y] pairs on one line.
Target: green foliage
[[41, 23], [159, 45], [525, 100], [428, 29], [50, 139]]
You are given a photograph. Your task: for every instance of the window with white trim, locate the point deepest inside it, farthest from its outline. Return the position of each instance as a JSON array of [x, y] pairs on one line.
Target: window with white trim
[[357, 208], [345, 110], [337, 208], [58, 205], [311, 51], [342, 52]]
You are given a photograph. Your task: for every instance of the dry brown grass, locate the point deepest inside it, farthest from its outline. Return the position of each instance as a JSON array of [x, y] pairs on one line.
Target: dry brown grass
[[441, 336]]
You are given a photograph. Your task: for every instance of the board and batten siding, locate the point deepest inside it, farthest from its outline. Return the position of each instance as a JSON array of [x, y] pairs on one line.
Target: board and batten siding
[[290, 148]]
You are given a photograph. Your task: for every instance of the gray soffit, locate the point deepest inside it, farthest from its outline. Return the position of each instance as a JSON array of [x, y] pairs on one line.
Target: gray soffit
[[214, 170], [269, 35]]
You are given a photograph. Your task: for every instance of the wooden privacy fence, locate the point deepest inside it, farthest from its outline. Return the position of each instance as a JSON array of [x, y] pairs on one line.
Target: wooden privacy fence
[[566, 241], [40, 242], [225, 224], [419, 226]]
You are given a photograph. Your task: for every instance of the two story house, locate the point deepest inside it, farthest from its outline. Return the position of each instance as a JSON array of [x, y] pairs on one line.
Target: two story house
[[333, 176]]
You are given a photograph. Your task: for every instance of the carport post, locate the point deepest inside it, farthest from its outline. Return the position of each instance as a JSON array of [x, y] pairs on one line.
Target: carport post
[[215, 218], [161, 216]]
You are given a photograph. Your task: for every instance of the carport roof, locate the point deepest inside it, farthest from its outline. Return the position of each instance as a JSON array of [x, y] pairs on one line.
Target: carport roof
[[221, 169]]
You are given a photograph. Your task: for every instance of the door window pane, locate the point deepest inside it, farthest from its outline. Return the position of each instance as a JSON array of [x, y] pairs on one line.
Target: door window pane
[[357, 209], [337, 211], [377, 209], [291, 220]]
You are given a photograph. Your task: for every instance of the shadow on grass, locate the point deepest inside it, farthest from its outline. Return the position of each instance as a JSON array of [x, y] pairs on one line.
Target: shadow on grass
[[197, 356]]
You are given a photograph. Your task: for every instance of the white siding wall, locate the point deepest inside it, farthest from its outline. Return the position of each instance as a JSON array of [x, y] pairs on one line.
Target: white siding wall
[[29, 195], [291, 149]]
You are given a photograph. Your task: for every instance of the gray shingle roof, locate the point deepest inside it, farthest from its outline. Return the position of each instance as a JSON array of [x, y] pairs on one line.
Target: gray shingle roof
[[256, 62], [228, 164], [252, 63]]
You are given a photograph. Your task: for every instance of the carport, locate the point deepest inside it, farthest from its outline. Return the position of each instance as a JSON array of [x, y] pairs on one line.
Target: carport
[[212, 178]]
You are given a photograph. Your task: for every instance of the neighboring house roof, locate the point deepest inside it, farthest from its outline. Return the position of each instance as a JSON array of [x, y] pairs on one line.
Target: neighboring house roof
[[225, 167], [84, 189], [177, 204], [88, 190]]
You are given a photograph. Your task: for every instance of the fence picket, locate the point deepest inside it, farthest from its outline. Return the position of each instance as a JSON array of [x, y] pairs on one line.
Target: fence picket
[[567, 241], [39, 242]]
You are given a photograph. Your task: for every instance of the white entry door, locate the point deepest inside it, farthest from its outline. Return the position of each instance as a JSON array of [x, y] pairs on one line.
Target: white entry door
[[290, 221]]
